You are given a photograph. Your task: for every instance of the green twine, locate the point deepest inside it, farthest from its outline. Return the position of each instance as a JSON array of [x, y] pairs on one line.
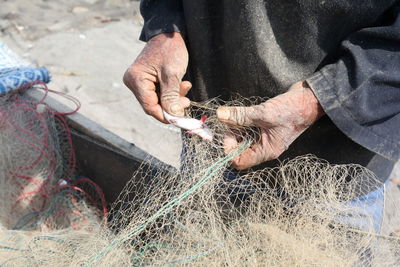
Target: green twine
[[10, 248], [209, 173]]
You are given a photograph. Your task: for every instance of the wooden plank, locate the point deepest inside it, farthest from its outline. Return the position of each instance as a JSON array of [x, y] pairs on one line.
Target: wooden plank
[[102, 156], [90, 128]]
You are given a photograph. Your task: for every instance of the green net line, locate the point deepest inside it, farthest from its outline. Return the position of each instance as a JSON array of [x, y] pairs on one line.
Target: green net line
[[208, 174]]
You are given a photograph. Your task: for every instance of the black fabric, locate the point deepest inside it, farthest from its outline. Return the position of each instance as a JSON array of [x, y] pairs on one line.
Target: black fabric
[[161, 17], [361, 90], [347, 50]]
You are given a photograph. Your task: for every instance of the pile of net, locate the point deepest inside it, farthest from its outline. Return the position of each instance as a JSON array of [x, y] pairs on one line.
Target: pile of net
[[302, 213]]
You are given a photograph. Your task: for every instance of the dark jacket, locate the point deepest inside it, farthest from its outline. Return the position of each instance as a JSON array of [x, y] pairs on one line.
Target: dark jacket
[[347, 50]]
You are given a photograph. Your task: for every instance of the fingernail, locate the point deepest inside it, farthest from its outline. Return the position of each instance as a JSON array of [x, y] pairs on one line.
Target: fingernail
[[176, 109], [223, 113]]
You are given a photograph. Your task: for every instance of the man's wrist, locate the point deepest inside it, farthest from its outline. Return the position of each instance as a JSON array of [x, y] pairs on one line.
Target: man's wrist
[[310, 108]]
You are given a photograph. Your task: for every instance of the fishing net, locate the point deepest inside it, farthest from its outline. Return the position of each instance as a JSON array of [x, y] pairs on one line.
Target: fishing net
[[305, 212], [39, 190]]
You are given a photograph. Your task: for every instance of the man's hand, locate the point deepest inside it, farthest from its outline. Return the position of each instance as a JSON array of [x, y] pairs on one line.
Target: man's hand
[[281, 120], [161, 65]]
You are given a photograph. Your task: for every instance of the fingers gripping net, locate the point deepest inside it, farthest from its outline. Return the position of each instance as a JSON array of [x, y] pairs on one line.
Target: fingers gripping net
[[292, 215], [205, 214]]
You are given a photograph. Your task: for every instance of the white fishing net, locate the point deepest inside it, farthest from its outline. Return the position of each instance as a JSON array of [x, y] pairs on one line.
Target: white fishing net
[[305, 212]]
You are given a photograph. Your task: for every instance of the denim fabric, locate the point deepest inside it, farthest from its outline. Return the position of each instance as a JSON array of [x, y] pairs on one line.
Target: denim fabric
[[365, 212]]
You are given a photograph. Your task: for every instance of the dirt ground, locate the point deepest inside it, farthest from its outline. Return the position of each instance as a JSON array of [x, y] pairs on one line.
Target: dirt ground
[[87, 45]]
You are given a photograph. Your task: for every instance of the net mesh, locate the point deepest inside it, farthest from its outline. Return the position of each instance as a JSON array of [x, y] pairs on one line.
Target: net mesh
[[305, 212]]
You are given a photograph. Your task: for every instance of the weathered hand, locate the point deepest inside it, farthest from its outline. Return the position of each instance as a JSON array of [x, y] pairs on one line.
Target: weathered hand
[[162, 63], [281, 120]]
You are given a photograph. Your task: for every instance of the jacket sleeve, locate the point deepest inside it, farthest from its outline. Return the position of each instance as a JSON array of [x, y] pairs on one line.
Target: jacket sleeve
[[360, 91], [161, 16]]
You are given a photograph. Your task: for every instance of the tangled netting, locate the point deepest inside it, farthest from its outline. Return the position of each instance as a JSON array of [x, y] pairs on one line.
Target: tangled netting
[[202, 214], [39, 190]]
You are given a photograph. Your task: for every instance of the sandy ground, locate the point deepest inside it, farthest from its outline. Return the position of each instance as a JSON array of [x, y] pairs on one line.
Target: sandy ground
[[87, 45]]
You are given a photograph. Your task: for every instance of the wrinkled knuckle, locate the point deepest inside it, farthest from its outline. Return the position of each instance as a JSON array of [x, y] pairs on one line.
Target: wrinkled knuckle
[[238, 165], [132, 75], [259, 110], [135, 67], [169, 72], [240, 116], [277, 153], [146, 108], [127, 77], [132, 70], [233, 115], [170, 96]]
